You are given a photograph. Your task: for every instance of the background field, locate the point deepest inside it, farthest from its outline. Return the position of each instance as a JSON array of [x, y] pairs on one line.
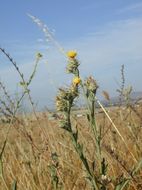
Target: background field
[[32, 143]]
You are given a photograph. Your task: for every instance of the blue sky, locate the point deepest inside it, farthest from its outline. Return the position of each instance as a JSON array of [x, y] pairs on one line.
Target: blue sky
[[106, 35]]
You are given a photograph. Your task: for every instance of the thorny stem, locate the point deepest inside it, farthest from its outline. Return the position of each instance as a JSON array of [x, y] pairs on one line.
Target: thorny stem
[[91, 109], [97, 135]]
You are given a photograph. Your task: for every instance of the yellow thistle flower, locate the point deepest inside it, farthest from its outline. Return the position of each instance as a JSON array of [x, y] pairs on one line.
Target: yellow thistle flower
[[72, 54], [76, 80]]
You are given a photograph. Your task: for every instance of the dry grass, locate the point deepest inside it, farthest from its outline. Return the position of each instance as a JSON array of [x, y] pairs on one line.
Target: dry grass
[[27, 161]]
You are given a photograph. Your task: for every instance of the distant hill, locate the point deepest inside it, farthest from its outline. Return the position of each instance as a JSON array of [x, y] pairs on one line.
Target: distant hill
[[136, 95], [115, 100]]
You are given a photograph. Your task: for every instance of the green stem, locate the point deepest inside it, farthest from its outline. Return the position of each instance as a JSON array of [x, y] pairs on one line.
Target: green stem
[[91, 109], [97, 136], [78, 149]]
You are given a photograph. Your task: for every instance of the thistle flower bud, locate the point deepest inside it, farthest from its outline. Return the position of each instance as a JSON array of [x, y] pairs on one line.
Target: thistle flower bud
[[39, 55], [74, 91], [61, 104], [91, 84], [72, 66], [65, 98]]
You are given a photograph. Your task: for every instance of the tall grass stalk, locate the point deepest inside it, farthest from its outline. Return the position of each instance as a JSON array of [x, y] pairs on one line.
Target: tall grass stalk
[[124, 141]]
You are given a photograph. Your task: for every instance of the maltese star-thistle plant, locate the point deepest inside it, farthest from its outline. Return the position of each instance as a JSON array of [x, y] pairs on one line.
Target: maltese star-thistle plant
[[65, 101]]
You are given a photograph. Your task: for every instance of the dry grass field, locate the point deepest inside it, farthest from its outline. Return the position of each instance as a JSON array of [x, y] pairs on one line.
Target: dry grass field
[[38, 146]]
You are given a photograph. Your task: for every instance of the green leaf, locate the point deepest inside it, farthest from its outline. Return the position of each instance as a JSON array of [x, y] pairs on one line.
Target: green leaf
[[22, 83], [93, 165], [14, 185], [104, 166], [122, 185], [88, 117], [137, 167], [76, 135], [1, 168]]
